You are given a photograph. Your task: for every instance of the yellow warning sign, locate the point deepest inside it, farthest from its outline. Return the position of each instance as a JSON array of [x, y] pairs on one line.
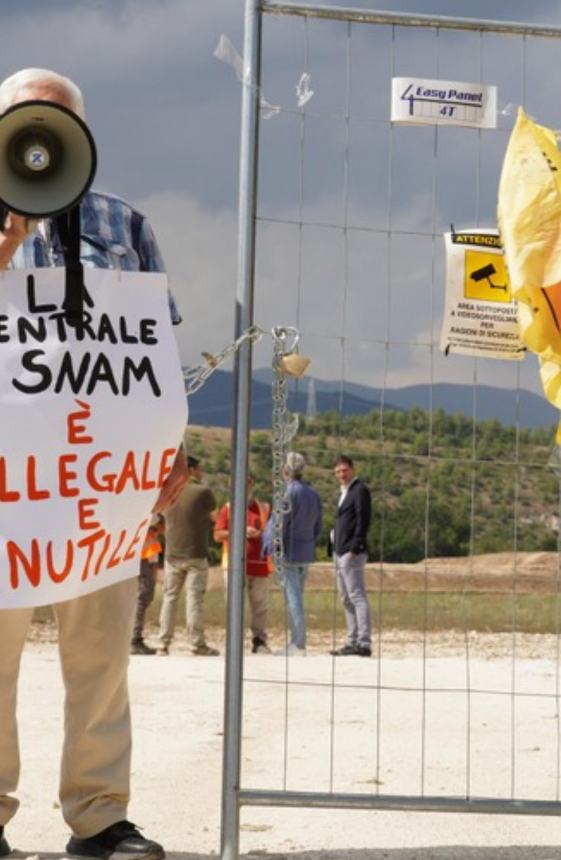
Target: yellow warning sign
[[486, 277]]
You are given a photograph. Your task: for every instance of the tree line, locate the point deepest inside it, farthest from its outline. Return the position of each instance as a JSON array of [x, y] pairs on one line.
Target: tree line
[[442, 484]]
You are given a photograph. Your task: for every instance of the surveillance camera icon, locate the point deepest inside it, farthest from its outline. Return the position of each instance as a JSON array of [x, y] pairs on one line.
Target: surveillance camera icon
[[485, 273]]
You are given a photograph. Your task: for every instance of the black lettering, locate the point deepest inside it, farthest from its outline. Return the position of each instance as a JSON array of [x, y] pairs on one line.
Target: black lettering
[[84, 327], [35, 328], [31, 302], [66, 373], [102, 372], [147, 332], [4, 338], [106, 329], [28, 363], [125, 336], [60, 321], [144, 369]]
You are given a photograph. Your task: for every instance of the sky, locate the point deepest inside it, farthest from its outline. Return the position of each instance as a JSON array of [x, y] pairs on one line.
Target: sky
[[165, 113]]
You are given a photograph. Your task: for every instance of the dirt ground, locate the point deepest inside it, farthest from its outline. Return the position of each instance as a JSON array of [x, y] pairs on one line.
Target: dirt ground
[[403, 723]]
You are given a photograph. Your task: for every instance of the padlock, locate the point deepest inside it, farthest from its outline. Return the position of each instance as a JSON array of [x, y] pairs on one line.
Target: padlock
[[293, 364]]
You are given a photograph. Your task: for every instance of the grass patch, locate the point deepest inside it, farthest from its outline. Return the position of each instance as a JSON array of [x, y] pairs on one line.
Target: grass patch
[[489, 613]]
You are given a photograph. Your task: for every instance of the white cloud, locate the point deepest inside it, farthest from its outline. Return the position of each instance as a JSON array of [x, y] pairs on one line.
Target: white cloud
[[199, 248], [343, 324], [166, 117]]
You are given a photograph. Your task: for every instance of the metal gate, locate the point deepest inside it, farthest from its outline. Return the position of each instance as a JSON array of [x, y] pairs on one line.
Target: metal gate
[[340, 227]]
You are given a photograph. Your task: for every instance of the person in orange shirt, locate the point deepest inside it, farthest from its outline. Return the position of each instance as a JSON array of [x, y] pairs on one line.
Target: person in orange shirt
[[257, 567], [149, 558]]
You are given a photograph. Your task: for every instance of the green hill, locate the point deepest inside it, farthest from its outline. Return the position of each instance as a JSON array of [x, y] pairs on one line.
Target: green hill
[[442, 485]]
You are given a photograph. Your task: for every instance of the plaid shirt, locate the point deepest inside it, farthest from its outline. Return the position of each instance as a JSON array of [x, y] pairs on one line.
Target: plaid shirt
[[113, 236]]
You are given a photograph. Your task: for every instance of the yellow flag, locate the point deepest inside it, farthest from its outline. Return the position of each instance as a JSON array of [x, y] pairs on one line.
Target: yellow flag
[[529, 213]]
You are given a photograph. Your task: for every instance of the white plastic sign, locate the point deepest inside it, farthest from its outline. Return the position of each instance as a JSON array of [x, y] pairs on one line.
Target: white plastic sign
[[480, 316], [433, 102], [91, 420]]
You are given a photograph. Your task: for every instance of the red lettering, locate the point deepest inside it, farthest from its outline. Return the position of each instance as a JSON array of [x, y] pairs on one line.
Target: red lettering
[[115, 559], [128, 474], [31, 567], [89, 541], [33, 493], [102, 554], [131, 551], [54, 574], [6, 495], [86, 513], [65, 475], [91, 477], [146, 483], [165, 467], [76, 430]]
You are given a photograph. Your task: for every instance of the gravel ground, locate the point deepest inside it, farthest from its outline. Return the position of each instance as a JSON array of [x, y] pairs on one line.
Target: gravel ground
[[400, 724]]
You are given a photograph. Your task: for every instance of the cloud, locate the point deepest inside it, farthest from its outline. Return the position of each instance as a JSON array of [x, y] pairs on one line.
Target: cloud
[[333, 287], [165, 114], [199, 248]]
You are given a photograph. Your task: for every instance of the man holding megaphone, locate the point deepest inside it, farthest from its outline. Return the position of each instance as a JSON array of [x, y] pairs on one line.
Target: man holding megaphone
[[52, 218]]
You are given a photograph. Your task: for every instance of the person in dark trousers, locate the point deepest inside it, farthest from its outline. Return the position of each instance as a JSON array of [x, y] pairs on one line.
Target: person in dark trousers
[[149, 559], [350, 554]]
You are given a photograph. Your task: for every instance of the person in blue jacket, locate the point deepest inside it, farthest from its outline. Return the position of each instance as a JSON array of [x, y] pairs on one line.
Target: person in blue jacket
[[301, 531]]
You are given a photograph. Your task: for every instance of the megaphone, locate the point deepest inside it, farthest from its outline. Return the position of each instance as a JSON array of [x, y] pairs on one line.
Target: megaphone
[[47, 159]]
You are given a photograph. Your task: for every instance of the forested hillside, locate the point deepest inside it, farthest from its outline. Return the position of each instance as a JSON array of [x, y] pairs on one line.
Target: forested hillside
[[442, 485]]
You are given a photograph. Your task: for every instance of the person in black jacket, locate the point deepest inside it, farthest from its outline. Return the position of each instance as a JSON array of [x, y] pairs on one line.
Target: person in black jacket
[[350, 553]]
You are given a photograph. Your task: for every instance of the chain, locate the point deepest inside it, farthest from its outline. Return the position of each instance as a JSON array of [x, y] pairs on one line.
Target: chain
[[284, 424], [284, 428], [195, 377]]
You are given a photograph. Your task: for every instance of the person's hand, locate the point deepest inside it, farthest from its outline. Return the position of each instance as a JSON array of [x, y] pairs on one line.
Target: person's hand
[[15, 227], [13, 233], [174, 483], [252, 532]]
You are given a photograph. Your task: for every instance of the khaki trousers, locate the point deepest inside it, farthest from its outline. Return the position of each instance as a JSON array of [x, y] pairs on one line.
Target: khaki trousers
[[257, 588], [193, 573], [258, 595], [94, 638]]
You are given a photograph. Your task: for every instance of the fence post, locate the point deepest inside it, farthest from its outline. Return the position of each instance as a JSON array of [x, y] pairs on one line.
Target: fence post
[[240, 440]]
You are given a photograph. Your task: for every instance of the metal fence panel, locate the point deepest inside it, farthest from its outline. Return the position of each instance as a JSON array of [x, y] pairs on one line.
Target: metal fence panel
[[346, 198]]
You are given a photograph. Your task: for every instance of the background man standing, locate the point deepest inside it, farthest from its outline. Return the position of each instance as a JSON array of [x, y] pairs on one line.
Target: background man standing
[[257, 567], [350, 552], [301, 530], [149, 558], [188, 525]]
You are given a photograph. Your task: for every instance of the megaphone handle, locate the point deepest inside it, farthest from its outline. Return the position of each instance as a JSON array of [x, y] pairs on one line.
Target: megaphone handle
[[68, 225]]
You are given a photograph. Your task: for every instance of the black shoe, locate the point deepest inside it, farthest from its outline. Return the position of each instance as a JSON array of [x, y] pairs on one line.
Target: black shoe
[[363, 651], [122, 839], [4, 847], [345, 651], [138, 646], [259, 646]]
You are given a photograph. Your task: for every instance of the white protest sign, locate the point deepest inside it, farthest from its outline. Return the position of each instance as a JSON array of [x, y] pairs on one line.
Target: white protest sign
[[480, 317], [91, 420], [432, 102]]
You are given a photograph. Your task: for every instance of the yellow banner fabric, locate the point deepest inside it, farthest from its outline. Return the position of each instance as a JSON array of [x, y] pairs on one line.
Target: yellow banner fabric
[[529, 213]]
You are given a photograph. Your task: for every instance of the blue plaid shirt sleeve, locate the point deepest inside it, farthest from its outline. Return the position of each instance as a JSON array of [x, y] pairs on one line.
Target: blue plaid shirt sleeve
[[151, 261], [114, 236]]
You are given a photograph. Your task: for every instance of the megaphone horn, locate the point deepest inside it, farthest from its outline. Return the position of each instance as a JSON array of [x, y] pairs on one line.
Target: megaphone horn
[[47, 159]]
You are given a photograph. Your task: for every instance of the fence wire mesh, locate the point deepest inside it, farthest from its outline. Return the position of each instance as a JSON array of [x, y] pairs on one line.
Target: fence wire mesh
[[349, 221]]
